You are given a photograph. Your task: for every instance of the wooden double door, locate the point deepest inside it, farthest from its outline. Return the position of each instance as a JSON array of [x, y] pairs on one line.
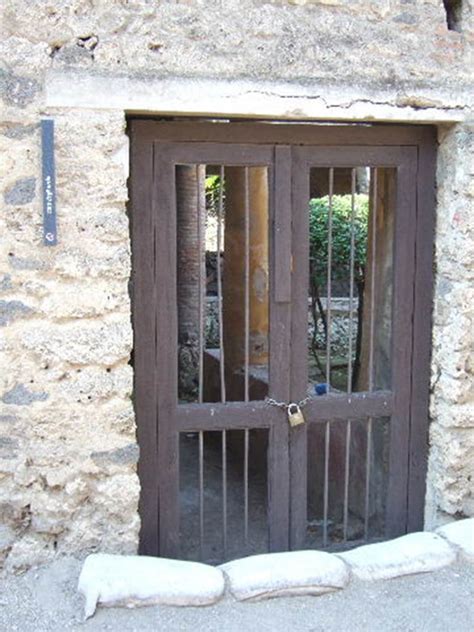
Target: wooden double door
[[275, 265]]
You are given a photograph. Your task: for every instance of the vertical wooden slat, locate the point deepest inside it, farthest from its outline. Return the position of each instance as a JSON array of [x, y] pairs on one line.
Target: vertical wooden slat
[[327, 440], [246, 485], [299, 348], [164, 213], [200, 219], [282, 226], [368, 464], [372, 258], [247, 283], [144, 329], [347, 459], [423, 296], [224, 493], [279, 360], [201, 492], [402, 328], [220, 214]]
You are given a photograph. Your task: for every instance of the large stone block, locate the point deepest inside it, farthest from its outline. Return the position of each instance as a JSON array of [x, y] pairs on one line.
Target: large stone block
[[101, 343], [284, 574], [413, 553], [461, 534], [139, 581], [81, 299], [80, 264]]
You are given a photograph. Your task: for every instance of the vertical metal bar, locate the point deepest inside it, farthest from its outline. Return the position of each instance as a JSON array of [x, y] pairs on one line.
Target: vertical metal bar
[[329, 281], [201, 494], [219, 285], [351, 284], [372, 280], [246, 485], [224, 492], [367, 477], [371, 348], [326, 483], [346, 478], [279, 444], [247, 285], [202, 274]]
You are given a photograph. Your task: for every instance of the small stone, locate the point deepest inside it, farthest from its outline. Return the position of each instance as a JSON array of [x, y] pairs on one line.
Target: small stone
[[19, 395], [461, 534], [284, 574], [5, 283], [8, 447], [17, 90], [7, 419], [25, 263], [413, 553], [7, 537], [406, 18], [127, 455], [11, 310], [22, 192], [131, 580], [20, 131]]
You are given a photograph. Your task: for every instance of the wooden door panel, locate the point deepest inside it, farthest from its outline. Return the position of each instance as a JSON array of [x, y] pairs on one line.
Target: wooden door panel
[[372, 404], [397, 407]]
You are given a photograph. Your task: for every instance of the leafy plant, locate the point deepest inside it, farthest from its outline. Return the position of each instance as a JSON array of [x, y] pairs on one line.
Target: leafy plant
[[348, 226], [341, 237], [213, 188]]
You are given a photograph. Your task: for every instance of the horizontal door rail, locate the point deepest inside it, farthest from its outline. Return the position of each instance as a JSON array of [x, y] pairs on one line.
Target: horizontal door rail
[[229, 416], [281, 133], [355, 406], [215, 153], [355, 156], [259, 414]]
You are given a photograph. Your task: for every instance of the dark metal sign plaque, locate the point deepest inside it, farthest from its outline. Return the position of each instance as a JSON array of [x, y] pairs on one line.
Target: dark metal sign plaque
[[49, 183]]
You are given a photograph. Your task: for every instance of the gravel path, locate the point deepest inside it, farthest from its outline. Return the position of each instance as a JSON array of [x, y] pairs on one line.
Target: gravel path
[[45, 600]]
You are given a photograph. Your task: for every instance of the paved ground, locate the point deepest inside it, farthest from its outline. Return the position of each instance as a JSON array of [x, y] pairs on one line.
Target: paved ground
[[45, 600]]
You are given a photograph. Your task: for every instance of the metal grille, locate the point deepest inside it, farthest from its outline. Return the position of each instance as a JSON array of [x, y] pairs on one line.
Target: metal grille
[[203, 356]]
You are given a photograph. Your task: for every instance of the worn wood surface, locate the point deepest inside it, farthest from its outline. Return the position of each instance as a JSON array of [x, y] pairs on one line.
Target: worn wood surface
[[289, 151]]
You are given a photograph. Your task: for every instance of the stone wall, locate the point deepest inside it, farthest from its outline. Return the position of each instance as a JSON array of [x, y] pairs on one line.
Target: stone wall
[[67, 436], [451, 465]]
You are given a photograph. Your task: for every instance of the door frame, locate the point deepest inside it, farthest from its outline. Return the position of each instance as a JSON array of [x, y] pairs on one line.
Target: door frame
[[144, 133]]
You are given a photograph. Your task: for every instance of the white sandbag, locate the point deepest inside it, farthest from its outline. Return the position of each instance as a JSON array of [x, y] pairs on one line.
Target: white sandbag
[[413, 553], [285, 574], [461, 534], [132, 580]]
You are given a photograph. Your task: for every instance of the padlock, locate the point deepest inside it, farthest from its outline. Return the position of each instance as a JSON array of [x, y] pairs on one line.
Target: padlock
[[295, 416]]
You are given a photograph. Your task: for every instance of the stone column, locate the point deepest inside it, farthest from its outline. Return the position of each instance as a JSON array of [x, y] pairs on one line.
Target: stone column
[[234, 268]]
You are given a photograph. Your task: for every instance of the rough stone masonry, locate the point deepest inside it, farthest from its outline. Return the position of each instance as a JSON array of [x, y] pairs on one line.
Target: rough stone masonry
[[68, 450]]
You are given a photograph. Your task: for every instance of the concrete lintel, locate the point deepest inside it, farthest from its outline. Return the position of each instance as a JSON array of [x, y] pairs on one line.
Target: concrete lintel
[[251, 99]]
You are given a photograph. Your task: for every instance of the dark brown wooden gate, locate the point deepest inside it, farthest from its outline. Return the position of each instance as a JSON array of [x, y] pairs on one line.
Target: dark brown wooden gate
[[360, 457]]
